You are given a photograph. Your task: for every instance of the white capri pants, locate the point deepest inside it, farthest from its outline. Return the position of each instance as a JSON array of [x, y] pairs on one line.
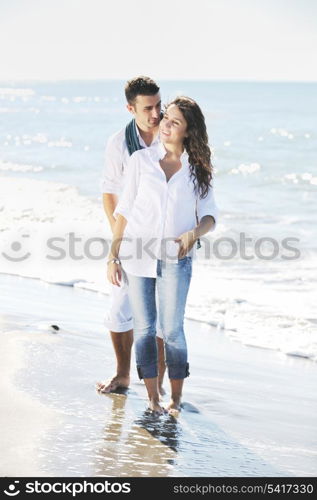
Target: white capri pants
[[119, 317]]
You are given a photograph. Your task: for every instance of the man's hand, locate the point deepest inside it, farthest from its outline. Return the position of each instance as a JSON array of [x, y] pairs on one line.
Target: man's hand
[[114, 273], [186, 242]]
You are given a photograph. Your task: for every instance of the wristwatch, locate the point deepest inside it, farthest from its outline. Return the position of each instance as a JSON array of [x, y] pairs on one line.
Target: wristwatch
[[113, 261]]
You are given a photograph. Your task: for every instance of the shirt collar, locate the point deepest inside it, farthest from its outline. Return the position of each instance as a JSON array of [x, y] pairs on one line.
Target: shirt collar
[[141, 141], [161, 152]]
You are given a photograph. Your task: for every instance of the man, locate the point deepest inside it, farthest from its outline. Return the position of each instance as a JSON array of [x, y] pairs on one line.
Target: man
[[144, 103]]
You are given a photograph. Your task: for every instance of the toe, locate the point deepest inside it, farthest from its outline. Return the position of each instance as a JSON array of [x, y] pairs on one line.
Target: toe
[[99, 386]]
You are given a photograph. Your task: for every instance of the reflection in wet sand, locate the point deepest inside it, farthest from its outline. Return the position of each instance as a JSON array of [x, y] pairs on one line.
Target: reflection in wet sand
[[147, 448], [165, 429]]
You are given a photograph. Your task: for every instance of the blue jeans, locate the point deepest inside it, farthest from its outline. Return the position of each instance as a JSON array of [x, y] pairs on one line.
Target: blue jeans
[[172, 282]]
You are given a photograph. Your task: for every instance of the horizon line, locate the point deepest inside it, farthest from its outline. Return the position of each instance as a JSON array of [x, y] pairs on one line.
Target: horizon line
[[197, 80]]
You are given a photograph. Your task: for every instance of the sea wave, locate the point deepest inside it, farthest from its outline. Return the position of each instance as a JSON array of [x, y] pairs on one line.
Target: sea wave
[[7, 166], [301, 178], [19, 92]]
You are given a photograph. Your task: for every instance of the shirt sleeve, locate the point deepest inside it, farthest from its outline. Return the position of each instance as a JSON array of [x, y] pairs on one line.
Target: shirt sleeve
[[207, 206], [130, 190], [111, 180]]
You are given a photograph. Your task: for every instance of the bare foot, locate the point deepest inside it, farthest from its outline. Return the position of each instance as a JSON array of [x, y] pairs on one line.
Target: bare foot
[[116, 383], [155, 407], [174, 408]]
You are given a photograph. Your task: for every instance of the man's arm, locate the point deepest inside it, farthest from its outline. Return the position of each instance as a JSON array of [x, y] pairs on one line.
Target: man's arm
[[111, 182], [110, 201]]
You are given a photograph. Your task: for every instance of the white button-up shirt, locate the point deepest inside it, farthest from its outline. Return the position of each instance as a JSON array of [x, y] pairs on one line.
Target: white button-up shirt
[[157, 211], [116, 159]]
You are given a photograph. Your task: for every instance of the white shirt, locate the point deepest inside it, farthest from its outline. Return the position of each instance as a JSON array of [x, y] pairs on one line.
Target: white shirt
[[116, 160], [157, 211]]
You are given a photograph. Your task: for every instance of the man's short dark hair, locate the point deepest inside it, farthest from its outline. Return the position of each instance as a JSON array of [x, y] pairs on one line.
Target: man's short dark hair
[[141, 85]]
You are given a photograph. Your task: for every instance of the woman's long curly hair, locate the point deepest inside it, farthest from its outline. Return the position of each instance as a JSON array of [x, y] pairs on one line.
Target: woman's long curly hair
[[196, 144]]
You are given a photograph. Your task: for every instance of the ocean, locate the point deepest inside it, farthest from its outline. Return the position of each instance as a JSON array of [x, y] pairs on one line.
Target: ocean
[[255, 276]]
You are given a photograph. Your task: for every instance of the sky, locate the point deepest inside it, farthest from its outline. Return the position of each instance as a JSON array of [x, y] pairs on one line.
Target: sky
[[270, 40]]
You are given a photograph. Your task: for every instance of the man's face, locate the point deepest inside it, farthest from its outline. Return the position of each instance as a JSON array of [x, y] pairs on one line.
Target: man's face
[[146, 110]]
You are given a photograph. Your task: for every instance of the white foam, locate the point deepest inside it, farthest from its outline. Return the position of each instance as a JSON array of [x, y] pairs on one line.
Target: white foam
[[60, 143], [6, 166], [305, 178], [246, 169], [16, 92]]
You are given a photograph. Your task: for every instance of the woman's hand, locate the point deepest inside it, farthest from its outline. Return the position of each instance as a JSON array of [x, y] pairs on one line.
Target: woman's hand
[[114, 273], [114, 269], [186, 242]]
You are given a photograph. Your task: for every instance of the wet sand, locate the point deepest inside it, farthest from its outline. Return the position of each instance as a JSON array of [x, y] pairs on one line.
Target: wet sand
[[256, 407]]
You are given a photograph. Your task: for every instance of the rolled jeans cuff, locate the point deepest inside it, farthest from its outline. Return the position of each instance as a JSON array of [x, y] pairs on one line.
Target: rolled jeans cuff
[[176, 372], [147, 371]]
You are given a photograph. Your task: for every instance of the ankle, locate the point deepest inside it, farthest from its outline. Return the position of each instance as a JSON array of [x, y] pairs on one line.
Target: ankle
[[123, 374], [176, 399], [154, 398]]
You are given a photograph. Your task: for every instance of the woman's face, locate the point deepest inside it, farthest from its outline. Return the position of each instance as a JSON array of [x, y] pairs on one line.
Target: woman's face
[[173, 126]]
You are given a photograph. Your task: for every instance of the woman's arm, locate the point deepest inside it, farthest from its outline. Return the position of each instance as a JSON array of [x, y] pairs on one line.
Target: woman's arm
[[131, 185], [187, 240], [114, 270], [207, 214], [110, 202], [121, 214]]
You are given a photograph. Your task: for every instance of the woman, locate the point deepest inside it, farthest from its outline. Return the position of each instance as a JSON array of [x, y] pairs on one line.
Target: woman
[[167, 204]]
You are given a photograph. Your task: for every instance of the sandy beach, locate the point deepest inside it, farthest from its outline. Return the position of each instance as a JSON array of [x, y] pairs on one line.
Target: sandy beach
[[254, 409]]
